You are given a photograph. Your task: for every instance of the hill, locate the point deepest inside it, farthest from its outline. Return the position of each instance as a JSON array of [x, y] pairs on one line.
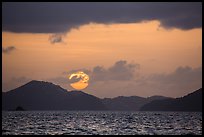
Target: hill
[[131, 103], [190, 102], [40, 95]]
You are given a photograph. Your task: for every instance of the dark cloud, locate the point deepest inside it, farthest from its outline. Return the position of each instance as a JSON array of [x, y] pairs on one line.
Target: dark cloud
[[68, 73], [64, 79], [182, 76], [180, 82], [61, 17], [120, 71], [8, 50], [56, 38]]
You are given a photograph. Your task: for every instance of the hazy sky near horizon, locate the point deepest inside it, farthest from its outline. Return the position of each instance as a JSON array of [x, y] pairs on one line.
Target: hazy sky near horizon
[[141, 49]]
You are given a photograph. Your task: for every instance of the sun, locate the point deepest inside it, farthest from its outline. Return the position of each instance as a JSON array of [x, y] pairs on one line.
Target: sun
[[82, 80]]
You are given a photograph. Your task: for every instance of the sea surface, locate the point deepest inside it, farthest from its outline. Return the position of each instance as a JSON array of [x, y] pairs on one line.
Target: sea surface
[[100, 122]]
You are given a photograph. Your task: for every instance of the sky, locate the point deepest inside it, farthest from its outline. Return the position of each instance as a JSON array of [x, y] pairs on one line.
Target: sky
[[126, 48]]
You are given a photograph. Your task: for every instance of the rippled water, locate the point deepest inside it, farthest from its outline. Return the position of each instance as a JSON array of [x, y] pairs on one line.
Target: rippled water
[[100, 122]]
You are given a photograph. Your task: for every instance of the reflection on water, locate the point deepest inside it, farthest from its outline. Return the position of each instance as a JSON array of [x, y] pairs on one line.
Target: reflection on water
[[100, 122]]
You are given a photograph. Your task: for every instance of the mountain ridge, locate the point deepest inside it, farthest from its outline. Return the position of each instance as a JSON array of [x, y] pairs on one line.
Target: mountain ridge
[[189, 102], [41, 95]]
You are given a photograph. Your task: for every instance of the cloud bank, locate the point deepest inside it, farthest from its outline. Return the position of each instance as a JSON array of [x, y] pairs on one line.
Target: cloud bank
[[182, 78], [121, 71], [120, 79], [60, 17], [123, 78]]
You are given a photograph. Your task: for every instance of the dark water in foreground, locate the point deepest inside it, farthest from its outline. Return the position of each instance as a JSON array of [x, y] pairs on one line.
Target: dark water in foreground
[[100, 122]]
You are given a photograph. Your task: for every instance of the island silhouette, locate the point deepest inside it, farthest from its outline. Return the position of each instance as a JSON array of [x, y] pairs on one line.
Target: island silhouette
[[40, 95]]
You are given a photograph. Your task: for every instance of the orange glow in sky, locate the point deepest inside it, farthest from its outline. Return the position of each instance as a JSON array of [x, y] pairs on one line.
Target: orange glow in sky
[[155, 48]]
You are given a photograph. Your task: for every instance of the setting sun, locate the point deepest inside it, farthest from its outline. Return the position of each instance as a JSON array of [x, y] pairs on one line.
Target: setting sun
[[82, 82]]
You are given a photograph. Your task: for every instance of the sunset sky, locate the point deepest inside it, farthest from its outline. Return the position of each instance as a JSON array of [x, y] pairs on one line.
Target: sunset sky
[[127, 49]]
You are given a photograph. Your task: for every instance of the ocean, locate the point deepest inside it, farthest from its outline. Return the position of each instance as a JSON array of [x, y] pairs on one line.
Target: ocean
[[101, 123]]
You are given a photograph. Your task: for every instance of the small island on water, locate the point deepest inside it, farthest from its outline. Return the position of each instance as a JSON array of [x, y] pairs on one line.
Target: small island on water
[[19, 108]]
